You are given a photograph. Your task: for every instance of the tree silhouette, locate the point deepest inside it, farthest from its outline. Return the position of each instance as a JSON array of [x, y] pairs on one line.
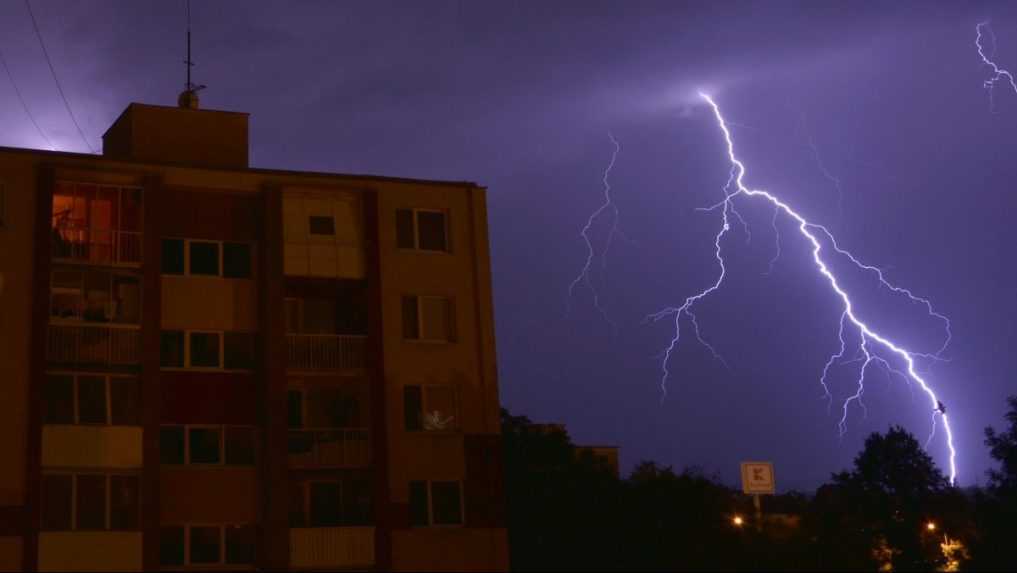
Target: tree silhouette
[[876, 515], [997, 507]]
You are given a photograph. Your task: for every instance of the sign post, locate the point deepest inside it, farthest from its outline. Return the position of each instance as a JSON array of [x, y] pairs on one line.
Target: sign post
[[758, 479]]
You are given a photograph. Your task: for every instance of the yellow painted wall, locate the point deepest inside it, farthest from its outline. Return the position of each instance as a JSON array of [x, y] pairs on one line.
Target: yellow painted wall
[[90, 551], [338, 256], [10, 553], [18, 177], [451, 549], [208, 495], [91, 446], [466, 363], [209, 303]]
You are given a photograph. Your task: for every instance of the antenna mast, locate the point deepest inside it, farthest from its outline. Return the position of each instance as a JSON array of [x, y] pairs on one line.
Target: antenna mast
[[189, 97]]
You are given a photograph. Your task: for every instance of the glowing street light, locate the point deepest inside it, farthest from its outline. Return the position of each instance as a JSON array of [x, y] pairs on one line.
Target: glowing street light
[[738, 521], [930, 526]]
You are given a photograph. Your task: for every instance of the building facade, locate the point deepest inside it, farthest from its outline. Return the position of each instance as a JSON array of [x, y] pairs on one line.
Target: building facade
[[206, 365]]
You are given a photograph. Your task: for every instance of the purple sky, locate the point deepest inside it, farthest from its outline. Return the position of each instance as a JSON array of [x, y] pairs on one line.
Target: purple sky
[[520, 96]]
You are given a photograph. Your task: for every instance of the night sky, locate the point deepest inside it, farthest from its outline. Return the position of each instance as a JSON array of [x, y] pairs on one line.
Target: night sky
[[520, 97]]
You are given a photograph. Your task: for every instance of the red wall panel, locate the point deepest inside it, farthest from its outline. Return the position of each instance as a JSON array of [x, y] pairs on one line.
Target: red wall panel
[[208, 398]]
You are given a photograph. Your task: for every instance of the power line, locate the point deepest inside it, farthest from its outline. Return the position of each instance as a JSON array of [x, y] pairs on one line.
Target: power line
[[60, 89], [24, 105]]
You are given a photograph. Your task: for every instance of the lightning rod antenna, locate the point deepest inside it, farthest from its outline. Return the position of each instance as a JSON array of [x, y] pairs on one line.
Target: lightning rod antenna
[[189, 97]]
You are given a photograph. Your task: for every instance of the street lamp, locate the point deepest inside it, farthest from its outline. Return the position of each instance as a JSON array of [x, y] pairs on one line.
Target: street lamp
[[930, 526], [738, 521]]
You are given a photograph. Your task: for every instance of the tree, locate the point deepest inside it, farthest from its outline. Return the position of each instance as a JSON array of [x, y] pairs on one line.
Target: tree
[[997, 507], [563, 509], [876, 514]]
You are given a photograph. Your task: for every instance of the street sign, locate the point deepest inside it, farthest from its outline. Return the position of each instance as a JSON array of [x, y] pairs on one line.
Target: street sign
[[757, 478]]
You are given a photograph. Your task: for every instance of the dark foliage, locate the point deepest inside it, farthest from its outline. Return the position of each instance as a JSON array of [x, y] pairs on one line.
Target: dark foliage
[[996, 508], [568, 513]]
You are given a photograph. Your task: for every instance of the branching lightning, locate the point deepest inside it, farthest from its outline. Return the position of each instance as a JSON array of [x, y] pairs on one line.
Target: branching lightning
[[611, 209], [998, 73], [873, 347]]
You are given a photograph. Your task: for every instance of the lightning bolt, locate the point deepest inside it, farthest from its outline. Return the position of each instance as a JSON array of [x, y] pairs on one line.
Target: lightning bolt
[[607, 207], [817, 235], [998, 73]]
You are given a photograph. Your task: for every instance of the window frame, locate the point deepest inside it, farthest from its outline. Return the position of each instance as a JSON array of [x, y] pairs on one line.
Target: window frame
[[82, 292], [252, 246], [451, 334], [107, 501], [222, 351], [186, 428], [424, 402], [222, 562], [107, 389], [310, 231], [414, 215], [430, 504], [305, 502]]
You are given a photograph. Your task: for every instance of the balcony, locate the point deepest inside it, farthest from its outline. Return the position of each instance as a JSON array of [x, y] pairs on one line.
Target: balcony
[[97, 246], [331, 547], [334, 448], [93, 344], [90, 551], [325, 351]]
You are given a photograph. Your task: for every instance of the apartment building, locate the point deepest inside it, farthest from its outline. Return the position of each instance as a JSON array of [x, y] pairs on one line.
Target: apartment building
[[207, 366]]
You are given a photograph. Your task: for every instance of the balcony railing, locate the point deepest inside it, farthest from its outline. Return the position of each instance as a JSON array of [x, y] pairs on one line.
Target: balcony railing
[[338, 448], [331, 547], [97, 246], [325, 351], [93, 344]]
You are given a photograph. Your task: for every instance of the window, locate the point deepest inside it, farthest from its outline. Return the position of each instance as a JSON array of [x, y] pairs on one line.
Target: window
[[430, 318], [331, 503], [123, 502], [325, 504], [423, 230], [435, 503], [321, 225], [238, 350], [171, 349], [96, 223], [430, 408], [203, 349], [295, 406], [172, 542], [236, 260], [90, 502], [204, 258], [172, 445], [446, 503], [57, 500], [205, 445], [337, 407], [91, 399], [173, 262], [95, 296], [215, 544], [205, 544], [229, 260], [239, 544], [58, 403], [239, 446]]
